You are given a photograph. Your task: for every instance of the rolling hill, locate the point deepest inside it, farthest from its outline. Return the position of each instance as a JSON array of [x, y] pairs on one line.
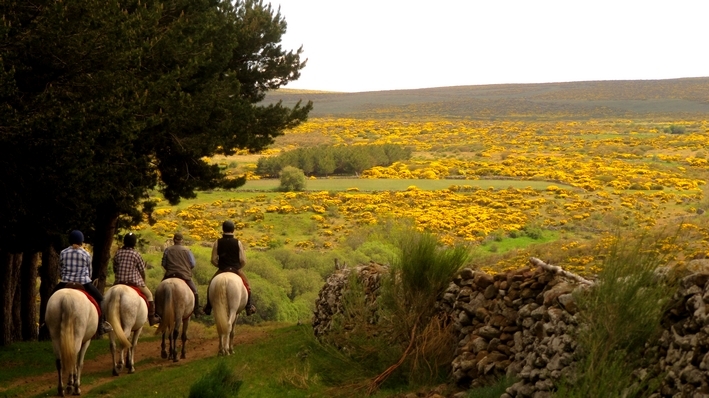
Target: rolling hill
[[686, 98]]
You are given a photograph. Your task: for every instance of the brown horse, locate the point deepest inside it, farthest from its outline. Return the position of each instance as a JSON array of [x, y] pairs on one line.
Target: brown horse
[[72, 320], [127, 312], [228, 296], [174, 302]]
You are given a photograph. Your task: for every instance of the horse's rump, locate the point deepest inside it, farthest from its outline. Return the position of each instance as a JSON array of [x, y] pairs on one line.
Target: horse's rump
[[69, 318]]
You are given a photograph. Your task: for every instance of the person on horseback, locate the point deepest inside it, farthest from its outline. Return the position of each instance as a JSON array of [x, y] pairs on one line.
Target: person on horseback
[[129, 268], [75, 267], [178, 262], [228, 255]]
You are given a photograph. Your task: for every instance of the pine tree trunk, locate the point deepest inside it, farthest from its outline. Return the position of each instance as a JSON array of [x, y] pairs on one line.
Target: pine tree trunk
[[9, 274], [106, 225], [49, 277], [28, 296]]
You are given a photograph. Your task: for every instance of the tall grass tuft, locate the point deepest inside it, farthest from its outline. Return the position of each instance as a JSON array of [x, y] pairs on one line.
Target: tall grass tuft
[[420, 274], [618, 316], [220, 382]]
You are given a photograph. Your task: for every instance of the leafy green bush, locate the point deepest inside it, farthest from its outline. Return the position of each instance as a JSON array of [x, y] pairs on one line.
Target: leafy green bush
[[220, 382], [292, 179]]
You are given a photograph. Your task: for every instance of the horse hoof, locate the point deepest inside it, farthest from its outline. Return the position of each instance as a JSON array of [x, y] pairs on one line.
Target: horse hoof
[[163, 355], [131, 371], [115, 372], [175, 360]]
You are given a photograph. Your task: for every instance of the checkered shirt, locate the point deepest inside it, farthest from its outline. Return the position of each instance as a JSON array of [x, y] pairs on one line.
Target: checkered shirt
[[128, 265], [75, 265]]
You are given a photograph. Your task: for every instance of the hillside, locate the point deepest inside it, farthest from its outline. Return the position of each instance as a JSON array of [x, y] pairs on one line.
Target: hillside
[[676, 98]]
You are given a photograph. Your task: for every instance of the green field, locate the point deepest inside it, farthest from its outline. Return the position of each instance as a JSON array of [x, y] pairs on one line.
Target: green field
[[371, 185]]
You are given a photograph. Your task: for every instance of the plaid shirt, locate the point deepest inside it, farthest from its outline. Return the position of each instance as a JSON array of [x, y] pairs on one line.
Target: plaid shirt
[[128, 265], [75, 265]]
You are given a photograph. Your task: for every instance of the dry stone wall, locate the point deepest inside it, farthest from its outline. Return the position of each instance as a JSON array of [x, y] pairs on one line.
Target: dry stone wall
[[521, 323]]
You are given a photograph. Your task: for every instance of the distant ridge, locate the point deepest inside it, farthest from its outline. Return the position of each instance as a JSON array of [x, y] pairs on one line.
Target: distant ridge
[[671, 98]]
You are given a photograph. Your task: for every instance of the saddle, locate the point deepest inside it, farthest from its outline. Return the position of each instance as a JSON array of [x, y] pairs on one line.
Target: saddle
[[136, 288], [80, 287], [233, 271]]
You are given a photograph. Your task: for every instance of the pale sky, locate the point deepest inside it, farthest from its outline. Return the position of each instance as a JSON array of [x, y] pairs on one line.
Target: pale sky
[[372, 45]]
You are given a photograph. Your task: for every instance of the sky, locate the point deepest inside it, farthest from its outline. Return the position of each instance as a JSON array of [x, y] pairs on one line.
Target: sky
[[374, 45]]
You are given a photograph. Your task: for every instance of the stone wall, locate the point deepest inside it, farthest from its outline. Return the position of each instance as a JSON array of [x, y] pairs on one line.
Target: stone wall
[[521, 323]]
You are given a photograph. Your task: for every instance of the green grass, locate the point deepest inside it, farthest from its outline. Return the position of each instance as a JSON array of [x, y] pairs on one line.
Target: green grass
[[23, 359], [363, 184], [288, 362], [508, 244]]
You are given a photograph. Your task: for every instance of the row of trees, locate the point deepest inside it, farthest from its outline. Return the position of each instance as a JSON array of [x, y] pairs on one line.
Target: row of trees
[[327, 160], [105, 100]]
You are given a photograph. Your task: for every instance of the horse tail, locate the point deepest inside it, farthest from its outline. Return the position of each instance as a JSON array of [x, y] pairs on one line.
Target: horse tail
[[114, 318], [167, 323], [221, 306], [67, 347]]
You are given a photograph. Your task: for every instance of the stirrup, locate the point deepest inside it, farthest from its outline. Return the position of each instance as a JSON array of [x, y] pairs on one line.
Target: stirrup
[[250, 309]]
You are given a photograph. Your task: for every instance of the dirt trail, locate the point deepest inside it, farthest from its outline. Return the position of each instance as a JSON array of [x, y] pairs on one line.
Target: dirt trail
[[100, 367]]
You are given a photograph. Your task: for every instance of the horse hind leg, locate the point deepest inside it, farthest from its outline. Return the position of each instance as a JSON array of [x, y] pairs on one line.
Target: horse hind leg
[[60, 384], [112, 345], [163, 352], [184, 337], [173, 345], [231, 339]]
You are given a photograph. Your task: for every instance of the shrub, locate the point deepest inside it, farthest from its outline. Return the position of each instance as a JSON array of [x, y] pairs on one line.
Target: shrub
[[620, 315], [292, 179], [217, 383]]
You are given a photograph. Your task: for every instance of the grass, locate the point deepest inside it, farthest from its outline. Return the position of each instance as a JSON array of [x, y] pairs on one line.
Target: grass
[[24, 359], [363, 184], [288, 362], [620, 315]]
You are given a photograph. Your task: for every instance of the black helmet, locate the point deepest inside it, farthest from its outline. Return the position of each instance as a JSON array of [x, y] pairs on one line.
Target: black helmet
[[130, 240], [228, 226], [76, 237]]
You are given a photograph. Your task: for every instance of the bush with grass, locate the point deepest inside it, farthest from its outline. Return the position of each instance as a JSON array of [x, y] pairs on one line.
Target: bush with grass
[[220, 382], [404, 339], [619, 316]]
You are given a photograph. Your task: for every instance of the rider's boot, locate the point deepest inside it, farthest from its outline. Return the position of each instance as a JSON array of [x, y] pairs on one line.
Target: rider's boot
[[103, 326], [250, 308], [208, 307], [153, 318], [197, 311]]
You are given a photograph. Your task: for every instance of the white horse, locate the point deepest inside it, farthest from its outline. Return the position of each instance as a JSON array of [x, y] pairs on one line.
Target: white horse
[[174, 302], [127, 312], [72, 320], [228, 296]]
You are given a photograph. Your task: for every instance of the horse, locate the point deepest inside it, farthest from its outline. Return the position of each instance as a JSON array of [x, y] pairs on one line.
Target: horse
[[228, 296], [174, 301], [72, 319], [127, 312]]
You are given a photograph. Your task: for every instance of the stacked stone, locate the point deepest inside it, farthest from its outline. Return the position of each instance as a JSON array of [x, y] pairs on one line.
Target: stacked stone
[[511, 323], [329, 301], [545, 348], [682, 353]]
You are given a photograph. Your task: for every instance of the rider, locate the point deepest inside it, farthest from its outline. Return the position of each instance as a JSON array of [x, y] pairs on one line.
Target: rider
[[129, 268], [228, 255], [178, 262], [75, 267]]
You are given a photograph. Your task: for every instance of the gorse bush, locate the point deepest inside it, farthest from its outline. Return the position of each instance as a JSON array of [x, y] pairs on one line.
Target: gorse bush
[[220, 382], [618, 316]]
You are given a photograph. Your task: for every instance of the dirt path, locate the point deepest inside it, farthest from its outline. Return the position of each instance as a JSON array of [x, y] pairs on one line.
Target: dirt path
[[100, 367]]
